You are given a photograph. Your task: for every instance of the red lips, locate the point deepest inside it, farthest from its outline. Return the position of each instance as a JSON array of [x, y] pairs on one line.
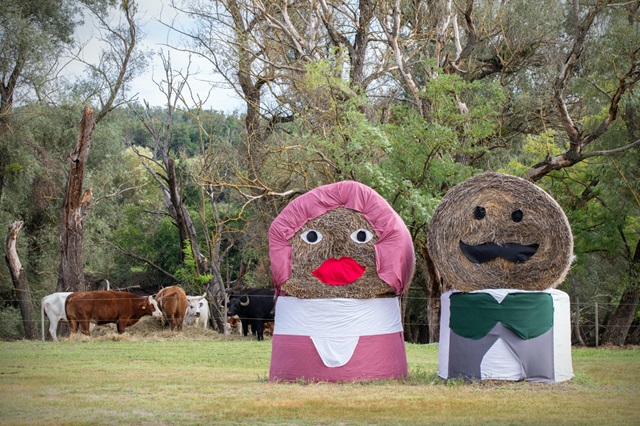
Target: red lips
[[341, 271]]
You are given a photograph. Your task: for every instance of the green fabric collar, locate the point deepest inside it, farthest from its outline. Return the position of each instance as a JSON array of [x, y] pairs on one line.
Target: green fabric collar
[[528, 315]]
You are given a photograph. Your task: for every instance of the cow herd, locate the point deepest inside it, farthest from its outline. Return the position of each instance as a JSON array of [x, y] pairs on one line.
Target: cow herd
[[83, 309]]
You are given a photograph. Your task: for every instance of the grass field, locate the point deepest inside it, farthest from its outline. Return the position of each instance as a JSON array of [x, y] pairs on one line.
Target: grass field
[[175, 379]]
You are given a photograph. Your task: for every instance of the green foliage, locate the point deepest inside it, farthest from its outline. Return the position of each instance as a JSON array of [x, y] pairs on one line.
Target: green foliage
[[468, 122], [415, 175], [188, 272], [11, 326]]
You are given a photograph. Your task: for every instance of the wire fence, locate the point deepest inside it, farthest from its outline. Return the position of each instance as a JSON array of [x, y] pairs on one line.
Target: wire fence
[[589, 319]]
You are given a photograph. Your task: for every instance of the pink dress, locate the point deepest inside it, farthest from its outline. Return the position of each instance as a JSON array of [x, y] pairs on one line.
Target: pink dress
[[369, 346]]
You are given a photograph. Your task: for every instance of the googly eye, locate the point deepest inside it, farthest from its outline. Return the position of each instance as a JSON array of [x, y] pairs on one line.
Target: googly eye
[[311, 236], [517, 215], [479, 213], [361, 236]]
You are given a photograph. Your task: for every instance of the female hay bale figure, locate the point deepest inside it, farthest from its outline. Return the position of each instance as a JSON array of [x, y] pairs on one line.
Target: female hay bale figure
[[339, 256], [501, 245]]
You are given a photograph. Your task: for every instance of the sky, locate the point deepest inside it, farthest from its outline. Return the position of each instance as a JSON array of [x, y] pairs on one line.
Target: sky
[[150, 14]]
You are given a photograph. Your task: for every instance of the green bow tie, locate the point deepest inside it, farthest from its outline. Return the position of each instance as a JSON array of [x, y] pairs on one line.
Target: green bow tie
[[528, 315]]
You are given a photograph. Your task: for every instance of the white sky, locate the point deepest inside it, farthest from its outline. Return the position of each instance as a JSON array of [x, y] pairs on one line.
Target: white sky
[[157, 36]]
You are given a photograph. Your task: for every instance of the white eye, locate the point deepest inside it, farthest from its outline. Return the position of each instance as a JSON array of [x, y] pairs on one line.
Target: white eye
[[361, 236], [311, 236]]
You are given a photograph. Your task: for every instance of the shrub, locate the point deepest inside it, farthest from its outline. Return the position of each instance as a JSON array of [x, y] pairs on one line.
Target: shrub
[[11, 327]]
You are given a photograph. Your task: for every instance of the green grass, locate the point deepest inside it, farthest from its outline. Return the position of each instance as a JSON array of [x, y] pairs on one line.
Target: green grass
[[176, 381]]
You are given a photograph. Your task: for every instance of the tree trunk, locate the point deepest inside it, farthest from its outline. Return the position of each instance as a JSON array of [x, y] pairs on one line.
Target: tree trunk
[[20, 282], [75, 210], [620, 323], [576, 322], [622, 318], [435, 291]]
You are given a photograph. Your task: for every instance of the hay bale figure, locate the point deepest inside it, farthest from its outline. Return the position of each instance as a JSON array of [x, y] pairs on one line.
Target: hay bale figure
[[340, 256], [501, 245]]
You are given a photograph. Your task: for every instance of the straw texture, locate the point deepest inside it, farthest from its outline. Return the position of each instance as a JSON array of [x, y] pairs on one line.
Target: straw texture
[[500, 196]]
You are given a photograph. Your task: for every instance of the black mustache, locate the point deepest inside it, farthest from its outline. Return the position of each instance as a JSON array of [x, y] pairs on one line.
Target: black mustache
[[513, 252]]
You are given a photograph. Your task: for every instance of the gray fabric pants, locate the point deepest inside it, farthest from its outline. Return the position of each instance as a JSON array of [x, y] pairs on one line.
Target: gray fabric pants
[[535, 355]]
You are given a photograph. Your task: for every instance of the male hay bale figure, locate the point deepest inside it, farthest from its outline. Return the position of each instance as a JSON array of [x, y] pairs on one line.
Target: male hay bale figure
[[501, 245]]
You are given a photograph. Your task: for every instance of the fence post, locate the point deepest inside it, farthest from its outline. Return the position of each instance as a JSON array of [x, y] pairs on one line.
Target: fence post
[[597, 329]]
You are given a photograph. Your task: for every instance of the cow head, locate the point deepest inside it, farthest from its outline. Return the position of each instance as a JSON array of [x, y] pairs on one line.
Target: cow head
[[237, 304], [154, 310], [196, 303]]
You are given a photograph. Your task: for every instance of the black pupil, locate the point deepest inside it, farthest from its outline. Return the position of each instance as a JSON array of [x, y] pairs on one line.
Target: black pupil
[[362, 236], [312, 236], [517, 215], [479, 212]]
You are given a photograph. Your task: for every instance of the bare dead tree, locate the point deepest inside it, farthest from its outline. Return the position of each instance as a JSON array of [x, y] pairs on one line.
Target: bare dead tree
[[77, 203], [164, 172], [20, 282]]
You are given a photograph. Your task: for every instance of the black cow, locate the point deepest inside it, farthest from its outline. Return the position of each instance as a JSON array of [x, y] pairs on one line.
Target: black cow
[[253, 306]]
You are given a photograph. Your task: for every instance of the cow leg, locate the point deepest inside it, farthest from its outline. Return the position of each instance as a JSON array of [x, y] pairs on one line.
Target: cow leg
[[85, 327], [53, 329], [122, 325], [74, 326], [260, 329]]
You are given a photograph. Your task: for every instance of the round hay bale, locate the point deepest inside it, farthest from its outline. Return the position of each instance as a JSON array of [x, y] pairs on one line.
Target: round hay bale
[[500, 231]]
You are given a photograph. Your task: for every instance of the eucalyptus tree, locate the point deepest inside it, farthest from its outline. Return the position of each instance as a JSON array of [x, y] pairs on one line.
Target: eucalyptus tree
[[581, 136], [33, 35]]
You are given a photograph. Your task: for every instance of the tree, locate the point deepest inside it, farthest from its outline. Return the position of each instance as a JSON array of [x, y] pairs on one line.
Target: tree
[[32, 34], [618, 326], [115, 70], [578, 138], [75, 209]]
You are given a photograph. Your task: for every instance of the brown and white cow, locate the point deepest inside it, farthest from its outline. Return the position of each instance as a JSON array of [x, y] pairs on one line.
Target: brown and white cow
[[268, 328], [173, 303], [234, 325], [107, 306]]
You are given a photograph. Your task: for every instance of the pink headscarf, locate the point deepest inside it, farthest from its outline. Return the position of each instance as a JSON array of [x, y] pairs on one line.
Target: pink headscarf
[[394, 249]]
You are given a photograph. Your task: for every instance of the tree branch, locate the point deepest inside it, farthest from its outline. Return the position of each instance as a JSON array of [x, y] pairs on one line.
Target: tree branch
[[143, 259]]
